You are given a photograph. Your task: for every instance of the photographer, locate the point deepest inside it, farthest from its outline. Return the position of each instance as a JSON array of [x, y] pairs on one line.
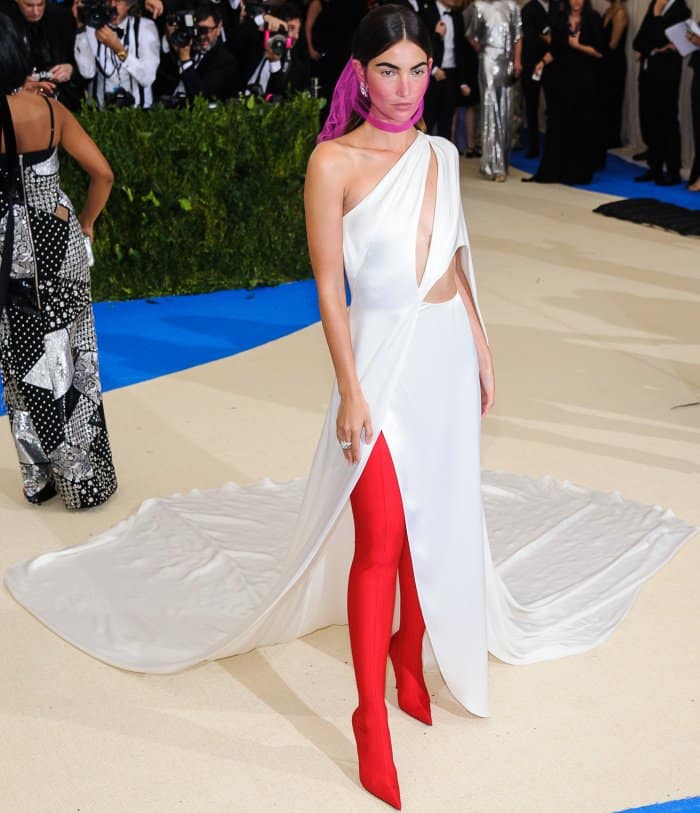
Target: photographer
[[279, 66], [48, 33], [205, 67], [118, 51]]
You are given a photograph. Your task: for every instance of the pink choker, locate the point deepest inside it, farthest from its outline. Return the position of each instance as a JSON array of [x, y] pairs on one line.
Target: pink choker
[[387, 127]]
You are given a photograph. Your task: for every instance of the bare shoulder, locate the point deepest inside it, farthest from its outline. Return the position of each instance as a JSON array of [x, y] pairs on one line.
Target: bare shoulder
[[61, 112], [330, 166], [65, 120], [330, 157]]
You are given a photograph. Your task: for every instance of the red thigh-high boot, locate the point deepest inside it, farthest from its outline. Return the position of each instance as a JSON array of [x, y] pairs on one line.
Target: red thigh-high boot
[[406, 649], [379, 538]]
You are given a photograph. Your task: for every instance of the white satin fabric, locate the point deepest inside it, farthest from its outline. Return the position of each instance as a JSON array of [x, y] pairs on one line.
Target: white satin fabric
[[212, 574]]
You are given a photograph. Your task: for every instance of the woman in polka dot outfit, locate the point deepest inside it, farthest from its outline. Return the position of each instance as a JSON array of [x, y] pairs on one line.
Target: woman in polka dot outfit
[[48, 350]]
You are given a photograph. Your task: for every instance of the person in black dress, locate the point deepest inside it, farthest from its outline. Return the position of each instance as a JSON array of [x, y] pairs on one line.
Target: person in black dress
[[569, 69], [694, 179], [468, 100], [659, 86], [535, 17], [613, 72]]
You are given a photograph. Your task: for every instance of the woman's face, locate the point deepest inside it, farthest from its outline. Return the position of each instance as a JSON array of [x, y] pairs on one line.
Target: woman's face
[[396, 81], [575, 6]]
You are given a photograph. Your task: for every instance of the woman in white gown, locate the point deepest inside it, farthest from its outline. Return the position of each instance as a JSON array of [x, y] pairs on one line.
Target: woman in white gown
[[207, 575], [383, 205]]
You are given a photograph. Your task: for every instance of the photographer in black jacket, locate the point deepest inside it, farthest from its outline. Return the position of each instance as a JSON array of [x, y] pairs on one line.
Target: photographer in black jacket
[[279, 65], [205, 66], [48, 31]]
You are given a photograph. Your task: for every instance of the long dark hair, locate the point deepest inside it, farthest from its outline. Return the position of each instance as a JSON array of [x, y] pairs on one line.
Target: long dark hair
[[15, 62], [379, 30]]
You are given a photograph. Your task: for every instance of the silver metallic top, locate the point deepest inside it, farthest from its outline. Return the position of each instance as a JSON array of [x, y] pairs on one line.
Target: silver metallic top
[[494, 24]]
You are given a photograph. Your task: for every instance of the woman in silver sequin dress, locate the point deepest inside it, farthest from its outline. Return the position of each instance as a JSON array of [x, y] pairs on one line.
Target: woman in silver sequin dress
[[494, 29], [48, 350]]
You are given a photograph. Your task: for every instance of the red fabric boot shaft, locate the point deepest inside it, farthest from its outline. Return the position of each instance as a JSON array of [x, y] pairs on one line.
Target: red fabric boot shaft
[[380, 536]]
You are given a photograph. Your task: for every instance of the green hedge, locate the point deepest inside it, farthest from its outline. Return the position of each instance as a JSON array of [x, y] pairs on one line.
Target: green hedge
[[203, 198]]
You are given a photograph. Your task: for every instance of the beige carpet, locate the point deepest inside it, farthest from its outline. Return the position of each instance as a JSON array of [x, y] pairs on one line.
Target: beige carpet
[[595, 330]]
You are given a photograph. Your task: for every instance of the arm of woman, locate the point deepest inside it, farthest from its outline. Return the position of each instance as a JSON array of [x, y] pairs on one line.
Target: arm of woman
[[311, 16], [588, 49], [483, 353], [78, 144], [547, 59], [324, 192], [620, 22]]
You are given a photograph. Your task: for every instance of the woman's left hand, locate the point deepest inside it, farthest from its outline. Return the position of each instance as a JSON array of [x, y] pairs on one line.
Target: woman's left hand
[[487, 380]]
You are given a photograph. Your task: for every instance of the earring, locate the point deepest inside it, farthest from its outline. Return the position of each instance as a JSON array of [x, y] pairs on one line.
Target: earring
[[363, 89]]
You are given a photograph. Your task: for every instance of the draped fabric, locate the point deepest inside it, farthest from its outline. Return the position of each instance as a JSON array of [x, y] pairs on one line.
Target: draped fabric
[[212, 574]]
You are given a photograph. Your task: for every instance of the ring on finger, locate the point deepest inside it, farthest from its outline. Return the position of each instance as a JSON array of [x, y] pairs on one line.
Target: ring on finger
[[345, 444]]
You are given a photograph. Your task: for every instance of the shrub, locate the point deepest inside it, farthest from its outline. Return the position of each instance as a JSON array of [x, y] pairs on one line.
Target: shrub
[[203, 198]]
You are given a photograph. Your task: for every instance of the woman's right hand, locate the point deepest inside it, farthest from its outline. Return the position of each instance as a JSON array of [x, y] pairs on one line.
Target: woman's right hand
[[353, 417]]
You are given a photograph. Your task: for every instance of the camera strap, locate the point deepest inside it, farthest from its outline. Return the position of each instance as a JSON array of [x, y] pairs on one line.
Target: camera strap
[[117, 64], [137, 24], [13, 169]]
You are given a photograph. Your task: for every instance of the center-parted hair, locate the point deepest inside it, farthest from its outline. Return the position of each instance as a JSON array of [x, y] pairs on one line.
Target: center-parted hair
[[384, 27]]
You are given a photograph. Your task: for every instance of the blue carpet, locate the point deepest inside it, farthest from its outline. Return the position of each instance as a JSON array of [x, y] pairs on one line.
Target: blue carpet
[[691, 805], [618, 179], [146, 338]]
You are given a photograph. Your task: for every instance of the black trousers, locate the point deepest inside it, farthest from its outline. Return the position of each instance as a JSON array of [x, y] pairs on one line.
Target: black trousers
[[695, 114], [663, 127], [440, 103], [531, 94]]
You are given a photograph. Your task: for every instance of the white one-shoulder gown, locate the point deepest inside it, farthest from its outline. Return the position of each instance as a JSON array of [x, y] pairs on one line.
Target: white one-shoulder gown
[[211, 574]]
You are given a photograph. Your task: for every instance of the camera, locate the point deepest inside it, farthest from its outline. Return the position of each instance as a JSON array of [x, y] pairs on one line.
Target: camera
[[176, 101], [279, 42], [185, 28], [96, 13], [118, 98]]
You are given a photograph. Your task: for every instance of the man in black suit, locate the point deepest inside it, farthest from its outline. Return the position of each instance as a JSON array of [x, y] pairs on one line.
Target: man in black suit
[[535, 17], [448, 78], [209, 69]]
